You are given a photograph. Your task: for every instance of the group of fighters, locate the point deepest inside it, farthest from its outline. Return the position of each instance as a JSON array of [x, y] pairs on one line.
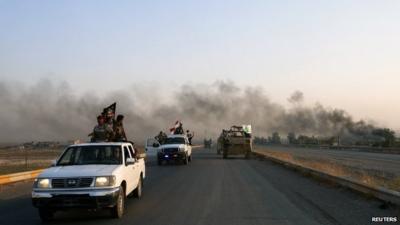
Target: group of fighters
[[161, 137], [109, 129]]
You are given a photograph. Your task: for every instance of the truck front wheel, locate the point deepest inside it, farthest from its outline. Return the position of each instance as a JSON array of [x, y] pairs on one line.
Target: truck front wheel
[[186, 160], [118, 210]]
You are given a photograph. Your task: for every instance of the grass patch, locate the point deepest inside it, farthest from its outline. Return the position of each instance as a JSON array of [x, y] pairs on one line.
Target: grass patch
[[21, 160], [371, 178]]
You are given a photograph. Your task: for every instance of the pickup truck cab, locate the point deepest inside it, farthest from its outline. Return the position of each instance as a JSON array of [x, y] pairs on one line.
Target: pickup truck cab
[[175, 148], [92, 175]]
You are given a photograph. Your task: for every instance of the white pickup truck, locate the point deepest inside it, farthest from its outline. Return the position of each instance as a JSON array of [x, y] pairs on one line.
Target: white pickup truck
[[175, 148], [93, 175]]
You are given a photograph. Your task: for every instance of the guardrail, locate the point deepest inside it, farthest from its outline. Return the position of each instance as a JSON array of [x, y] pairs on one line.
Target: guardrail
[[379, 193], [15, 177], [28, 175]]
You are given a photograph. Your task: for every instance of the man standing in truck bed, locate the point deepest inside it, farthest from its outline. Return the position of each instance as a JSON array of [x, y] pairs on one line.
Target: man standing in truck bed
[[161, 137], [119, 131], [101, 132]]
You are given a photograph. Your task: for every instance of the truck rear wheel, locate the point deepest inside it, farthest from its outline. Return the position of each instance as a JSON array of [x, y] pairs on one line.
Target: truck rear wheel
[[118, 210], [138, 191], [46, 214]]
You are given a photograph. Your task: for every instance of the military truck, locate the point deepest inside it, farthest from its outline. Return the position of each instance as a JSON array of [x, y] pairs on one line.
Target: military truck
[[235, 141], [207, 143]]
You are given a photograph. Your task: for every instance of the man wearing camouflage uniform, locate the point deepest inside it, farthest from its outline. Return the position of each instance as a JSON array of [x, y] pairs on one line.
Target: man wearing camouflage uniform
[[190, 136], [119, 132], [110, 123], [179, 129], [161, 137], [221, 142], [101, 132]]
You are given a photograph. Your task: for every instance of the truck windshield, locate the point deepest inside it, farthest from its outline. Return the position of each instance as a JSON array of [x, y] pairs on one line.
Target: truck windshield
[[175, 140], [84, 155]]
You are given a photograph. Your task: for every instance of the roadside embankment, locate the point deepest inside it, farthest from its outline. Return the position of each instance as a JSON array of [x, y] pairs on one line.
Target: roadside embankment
[[347, 170]]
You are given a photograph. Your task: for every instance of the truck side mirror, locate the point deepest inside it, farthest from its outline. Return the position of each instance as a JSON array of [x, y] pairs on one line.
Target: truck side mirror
[[156, 145], [141, 155], [130, 161]]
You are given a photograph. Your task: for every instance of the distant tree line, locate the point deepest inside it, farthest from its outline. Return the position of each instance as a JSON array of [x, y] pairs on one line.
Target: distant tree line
[[379, 137], [274, 139]]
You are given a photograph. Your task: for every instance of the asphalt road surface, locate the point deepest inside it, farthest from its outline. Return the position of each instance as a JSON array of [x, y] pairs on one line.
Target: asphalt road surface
[[211, 190], [369, 161]]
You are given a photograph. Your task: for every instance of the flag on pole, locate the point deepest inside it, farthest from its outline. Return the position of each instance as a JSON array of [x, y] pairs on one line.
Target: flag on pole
[[177, 124], [110, 110], [247, 128]]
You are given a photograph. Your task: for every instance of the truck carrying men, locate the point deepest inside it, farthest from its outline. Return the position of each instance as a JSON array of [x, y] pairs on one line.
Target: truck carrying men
[[96, 175], [177, 146]]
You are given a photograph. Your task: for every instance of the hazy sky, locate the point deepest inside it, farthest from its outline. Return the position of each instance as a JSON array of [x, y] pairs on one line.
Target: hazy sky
[[344, 54]]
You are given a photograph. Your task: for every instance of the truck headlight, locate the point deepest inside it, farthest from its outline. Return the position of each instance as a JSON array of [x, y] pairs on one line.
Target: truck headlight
[[42, 183], [105, 181]]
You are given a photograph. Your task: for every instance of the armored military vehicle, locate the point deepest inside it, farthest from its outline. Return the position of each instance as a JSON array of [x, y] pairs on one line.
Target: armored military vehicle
[[235, 141]]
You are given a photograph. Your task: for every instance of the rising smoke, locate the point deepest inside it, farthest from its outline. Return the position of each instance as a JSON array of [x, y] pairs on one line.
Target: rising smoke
[[51, 111]]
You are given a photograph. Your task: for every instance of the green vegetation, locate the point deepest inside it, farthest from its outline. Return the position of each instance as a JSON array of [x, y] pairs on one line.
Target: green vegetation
[[377, 137]]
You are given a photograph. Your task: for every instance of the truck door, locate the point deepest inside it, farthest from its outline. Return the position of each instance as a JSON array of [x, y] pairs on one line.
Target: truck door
[[138, 165], [129, 172]]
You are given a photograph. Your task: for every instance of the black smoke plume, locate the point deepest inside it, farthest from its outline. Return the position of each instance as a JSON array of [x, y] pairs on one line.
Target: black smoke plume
[[52, 111]]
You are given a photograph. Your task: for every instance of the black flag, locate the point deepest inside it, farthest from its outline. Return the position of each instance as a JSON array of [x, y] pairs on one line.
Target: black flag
[[110, 109]]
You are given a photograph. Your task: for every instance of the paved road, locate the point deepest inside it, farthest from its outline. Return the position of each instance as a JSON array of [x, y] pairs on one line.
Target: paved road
[[381, 162], [215, 191]]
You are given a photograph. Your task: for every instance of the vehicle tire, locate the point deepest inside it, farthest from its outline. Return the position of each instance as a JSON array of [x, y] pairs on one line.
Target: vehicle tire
[[190, 158], [118, 210], [46, 214], [186, 160], [137, 193], [159, 162]]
